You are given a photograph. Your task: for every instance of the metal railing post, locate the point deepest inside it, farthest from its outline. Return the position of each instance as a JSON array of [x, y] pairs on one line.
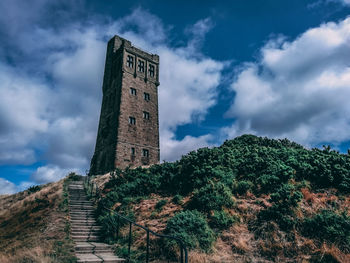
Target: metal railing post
[[95, 194], [118, 219], [182, 253], [130, 237], [147, 249]]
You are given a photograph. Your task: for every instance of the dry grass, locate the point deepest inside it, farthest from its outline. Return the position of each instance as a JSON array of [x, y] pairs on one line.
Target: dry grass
[[32, 225], [248, 241]]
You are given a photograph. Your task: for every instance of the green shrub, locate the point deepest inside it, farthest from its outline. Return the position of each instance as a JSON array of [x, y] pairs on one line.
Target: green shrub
[[268, 183], [192, 228], [221, 220], [109, 223], [177, 199], [243, 186], [74, 177], [328, 226], [33, 189], [159, 205], [213, 196], [284, 202]]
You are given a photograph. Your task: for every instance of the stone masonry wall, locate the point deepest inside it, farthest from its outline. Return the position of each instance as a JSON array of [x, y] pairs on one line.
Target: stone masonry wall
[[119, 143]]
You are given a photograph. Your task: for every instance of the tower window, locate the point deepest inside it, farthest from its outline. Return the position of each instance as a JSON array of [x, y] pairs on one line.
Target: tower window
[[145, 153], [146, 115], [132, 151], [133, 91], [132, 120], [146, 96], [151, 70], [141, 66], [130, 61]]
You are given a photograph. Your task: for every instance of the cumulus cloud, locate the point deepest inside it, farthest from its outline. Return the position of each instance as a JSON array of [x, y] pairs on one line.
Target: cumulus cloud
[[346, 2], [297, 89], [49, 173], [7, 187], [53, 90], [188, 79]]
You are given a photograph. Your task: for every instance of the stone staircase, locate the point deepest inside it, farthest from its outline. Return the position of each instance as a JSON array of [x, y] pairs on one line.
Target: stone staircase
[[84, 229]]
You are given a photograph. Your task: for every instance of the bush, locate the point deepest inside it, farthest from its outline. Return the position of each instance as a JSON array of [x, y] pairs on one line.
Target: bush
[[74, 177], [159, 205], [243, 186], [221, 220], [192, 228], [284, 202], [328, 226], [177, 199], [33, 189], [213, 196]]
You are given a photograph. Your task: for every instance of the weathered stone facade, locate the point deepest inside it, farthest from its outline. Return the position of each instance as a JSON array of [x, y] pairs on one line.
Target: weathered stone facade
[[128, 132]]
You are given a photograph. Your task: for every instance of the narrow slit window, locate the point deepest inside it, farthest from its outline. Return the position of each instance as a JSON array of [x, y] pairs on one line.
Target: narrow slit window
[[133, 91], [151, 70], [141, 66], [146, 96], [146, 115], [130, 61], [132, 120], [145, 153], [132, 151]]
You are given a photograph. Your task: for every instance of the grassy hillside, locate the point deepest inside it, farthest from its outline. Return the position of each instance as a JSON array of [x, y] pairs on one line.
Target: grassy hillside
[[34, 226], [250, 200]]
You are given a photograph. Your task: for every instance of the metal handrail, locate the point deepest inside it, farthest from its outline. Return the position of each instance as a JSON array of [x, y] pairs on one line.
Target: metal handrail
[[183, 250]]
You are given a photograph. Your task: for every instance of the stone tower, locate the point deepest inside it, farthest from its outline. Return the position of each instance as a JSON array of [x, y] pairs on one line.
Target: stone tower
[[128, 132]]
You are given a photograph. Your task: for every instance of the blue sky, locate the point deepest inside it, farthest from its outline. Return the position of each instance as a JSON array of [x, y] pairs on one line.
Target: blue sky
[[272, 68]]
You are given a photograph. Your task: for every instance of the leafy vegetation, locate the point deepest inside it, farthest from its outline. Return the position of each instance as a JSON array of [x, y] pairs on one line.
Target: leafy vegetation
[[206, 184], [284, 202], [329, 226], [192, 228]]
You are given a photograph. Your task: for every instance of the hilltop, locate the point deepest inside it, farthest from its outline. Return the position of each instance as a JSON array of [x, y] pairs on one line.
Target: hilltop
[[252, 199], [34, 225]]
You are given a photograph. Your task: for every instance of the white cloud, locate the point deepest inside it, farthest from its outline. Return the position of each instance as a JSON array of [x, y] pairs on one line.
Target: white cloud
[[7, 187], [346, 2], [188, 79], [298, 89], [173, 149], [49, 173], [53, 94]]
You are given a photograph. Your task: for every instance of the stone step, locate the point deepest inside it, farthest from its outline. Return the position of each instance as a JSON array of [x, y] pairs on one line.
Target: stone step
[[82, 219], [82, 209], [78, 231], [82, 212], [92, 251], [86, 234], [87, 214], [81, 206], [73, 228], [103, 257], [88, 258], [85, 238], [83, 223], [109, 257], [87, 223], [84, 229]]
